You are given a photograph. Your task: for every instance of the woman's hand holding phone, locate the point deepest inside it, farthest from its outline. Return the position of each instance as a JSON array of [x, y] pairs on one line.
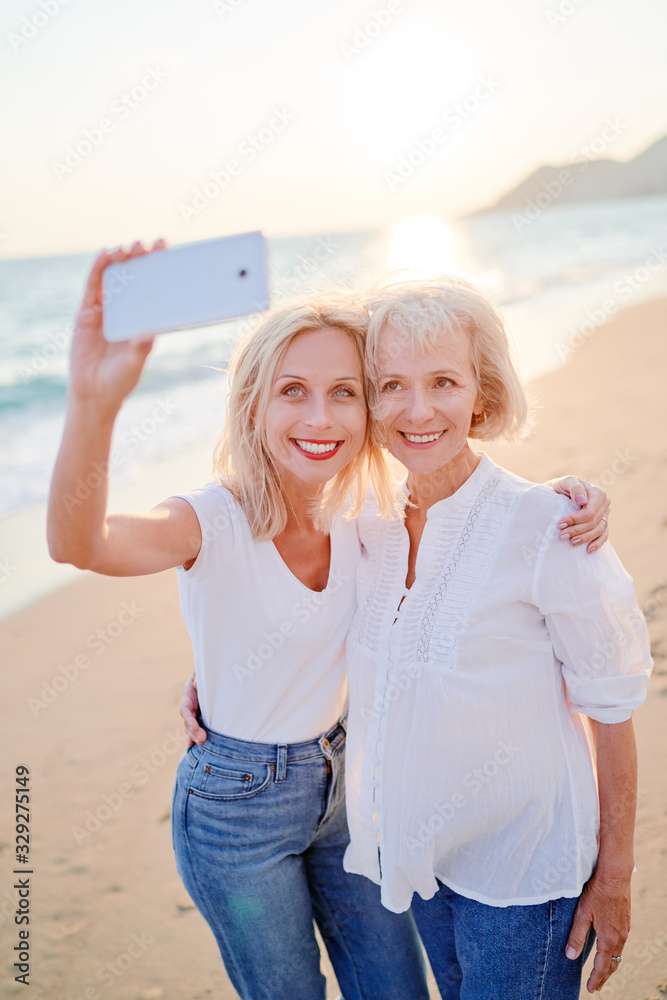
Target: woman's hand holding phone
[[104, 373]]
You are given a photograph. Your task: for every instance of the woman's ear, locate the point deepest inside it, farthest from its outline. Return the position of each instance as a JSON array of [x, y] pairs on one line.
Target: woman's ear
[[478, 412]]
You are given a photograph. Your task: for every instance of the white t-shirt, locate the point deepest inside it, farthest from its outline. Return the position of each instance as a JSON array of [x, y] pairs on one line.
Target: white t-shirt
[[466, 757], [269, 652]]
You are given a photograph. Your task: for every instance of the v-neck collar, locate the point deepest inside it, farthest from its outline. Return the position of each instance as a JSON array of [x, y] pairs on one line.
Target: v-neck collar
[[332, 550]]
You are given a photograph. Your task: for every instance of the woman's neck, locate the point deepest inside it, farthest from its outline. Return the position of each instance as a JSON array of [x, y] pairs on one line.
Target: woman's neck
[[302, 501], [428, 489]]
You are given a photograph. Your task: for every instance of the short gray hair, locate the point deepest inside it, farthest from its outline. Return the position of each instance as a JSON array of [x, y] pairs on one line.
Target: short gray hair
[[419, 311]]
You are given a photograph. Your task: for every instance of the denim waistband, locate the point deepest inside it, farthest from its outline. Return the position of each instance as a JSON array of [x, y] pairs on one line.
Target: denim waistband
[[228, 746]]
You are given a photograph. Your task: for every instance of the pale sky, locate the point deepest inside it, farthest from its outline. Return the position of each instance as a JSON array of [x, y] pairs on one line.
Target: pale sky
[[312, 102]]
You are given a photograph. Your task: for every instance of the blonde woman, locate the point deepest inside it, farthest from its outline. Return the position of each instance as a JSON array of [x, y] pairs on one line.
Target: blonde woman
[[266, 575]]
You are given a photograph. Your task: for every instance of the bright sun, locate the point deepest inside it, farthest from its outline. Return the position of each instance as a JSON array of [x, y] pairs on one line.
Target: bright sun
[[422, 245]]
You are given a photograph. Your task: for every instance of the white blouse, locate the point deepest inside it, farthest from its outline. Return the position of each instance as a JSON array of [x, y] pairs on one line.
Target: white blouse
[[269, 653], [467, 760]]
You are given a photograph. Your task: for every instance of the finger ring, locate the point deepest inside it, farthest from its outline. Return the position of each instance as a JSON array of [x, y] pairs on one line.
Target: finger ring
[[617, 959], [607, 523]]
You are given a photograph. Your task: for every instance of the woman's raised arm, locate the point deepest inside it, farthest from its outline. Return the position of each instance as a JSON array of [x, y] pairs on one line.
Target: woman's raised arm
[[79, 529]]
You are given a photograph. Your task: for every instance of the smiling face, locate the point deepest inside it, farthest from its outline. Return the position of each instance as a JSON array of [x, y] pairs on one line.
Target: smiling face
[[427, 399], [315, 422]]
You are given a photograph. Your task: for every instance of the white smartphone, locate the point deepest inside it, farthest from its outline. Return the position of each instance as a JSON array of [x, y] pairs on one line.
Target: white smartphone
[[190, 285]]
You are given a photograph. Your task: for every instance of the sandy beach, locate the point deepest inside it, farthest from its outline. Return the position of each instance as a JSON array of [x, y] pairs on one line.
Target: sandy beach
[[92, 679]]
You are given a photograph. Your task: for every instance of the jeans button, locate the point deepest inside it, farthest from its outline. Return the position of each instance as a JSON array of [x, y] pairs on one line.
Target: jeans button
[[325, 744]]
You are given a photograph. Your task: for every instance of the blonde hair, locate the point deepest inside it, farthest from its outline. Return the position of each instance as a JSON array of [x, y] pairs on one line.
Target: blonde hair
[[419, 311], [242, 460]]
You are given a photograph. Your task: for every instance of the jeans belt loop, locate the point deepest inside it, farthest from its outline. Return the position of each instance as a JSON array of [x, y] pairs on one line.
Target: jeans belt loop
[[281, 761], [330, 742], [325, 745]]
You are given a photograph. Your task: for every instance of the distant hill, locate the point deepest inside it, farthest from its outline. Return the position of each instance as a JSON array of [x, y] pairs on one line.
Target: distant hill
[[592, 180]]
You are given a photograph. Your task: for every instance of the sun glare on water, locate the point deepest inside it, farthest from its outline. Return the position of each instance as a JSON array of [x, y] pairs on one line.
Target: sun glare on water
[[422, 246]]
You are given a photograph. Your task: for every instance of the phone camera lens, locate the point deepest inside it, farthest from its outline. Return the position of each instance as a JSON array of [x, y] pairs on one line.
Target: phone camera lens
[[242, 273]]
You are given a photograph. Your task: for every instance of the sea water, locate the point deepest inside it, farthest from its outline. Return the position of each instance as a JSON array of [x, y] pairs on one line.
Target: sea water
[[555, 277]]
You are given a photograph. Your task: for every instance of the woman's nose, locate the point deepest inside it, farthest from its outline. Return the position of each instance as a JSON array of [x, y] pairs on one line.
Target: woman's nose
[[418, 407], [319, 412]]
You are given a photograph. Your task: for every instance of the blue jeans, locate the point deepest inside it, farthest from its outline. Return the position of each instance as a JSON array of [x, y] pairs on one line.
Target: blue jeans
[[259, 833], [480, 952]]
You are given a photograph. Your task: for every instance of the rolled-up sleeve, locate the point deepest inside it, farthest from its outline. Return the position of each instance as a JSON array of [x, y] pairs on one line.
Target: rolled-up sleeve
[[597, 630]]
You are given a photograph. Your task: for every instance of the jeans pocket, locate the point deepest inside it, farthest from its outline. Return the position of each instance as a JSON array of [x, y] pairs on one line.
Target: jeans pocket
[[226, 779]]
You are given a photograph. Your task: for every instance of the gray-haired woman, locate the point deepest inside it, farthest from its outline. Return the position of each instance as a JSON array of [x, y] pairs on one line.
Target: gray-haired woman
[[479, 643]]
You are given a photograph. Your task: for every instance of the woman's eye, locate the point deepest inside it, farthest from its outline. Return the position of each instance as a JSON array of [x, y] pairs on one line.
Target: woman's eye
[[442, 383], [293, 390], [344, 391], [390, 386]]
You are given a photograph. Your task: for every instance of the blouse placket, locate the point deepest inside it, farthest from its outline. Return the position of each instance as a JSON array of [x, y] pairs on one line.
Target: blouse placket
[[451, 526]]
